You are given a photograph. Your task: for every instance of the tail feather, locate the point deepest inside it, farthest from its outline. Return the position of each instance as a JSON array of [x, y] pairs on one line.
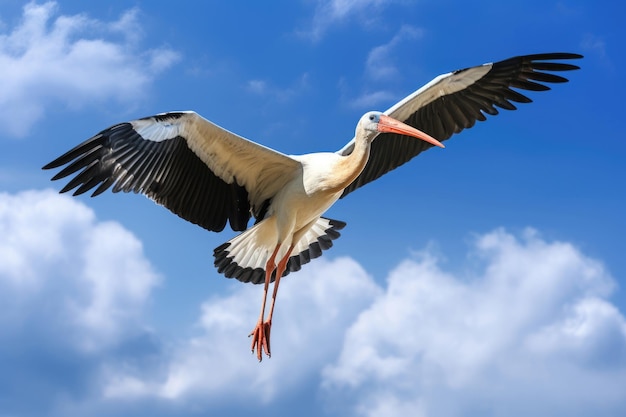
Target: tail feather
[[244, 258]]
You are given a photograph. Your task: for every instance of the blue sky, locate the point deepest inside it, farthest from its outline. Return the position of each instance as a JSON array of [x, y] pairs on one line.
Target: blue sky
[[485, 279]]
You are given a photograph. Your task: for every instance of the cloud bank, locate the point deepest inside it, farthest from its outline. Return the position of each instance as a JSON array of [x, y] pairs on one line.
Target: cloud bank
[[49, 59], [73, 290], [528, 330], [527, 327]]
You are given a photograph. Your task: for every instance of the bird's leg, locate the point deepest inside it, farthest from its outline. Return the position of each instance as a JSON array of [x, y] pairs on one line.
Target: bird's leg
[[261, 332], [280, 269]]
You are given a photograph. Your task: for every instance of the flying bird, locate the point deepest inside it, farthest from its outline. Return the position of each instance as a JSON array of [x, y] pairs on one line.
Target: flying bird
[[213, 177]]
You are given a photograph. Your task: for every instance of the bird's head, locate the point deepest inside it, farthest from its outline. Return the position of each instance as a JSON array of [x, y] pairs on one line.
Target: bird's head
[[374, 122]]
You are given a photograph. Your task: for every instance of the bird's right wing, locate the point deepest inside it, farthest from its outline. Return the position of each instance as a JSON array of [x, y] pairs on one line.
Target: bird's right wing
[[455, 101], [198, 170]]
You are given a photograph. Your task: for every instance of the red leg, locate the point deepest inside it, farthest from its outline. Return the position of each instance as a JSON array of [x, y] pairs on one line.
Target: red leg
[[260, 333], [280, 269]]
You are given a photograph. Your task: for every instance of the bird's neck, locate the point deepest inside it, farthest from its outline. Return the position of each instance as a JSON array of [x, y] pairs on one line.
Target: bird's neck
[[350, 166]]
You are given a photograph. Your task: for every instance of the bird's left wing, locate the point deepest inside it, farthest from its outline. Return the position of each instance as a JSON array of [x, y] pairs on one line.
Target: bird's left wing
[[453, 102], [198, 170]]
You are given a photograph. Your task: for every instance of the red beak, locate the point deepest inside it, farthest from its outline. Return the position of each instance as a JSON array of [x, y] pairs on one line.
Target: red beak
[[388, 124]]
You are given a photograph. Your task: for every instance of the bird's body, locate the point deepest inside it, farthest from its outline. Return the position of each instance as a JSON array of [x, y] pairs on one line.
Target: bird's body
[[212, 177], [293, 210]]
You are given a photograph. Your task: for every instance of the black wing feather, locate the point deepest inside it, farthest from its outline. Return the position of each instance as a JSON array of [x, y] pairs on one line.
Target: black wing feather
[[166, 171]]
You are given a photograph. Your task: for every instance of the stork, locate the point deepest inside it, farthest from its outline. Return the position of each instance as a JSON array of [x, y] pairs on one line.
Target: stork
[[211, 176]]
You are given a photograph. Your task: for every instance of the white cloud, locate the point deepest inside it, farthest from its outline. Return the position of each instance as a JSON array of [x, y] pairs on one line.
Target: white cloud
[[371, 100], [331, 12], [380, 66], [523, 330], [529, 332], [314, 307], [596, 45], [282, 94], [527, 328], [73, 291], [60, 266], [380, 60], [46, 60]]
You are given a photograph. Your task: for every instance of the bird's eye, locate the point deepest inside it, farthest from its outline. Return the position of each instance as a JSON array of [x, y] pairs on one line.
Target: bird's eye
[[372, 117]]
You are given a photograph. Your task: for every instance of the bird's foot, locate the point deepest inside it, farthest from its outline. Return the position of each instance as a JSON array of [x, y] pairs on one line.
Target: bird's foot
[[261, 339]]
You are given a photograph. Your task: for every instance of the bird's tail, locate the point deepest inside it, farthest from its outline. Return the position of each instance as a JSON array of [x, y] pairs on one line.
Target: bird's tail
[[244, 256]]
